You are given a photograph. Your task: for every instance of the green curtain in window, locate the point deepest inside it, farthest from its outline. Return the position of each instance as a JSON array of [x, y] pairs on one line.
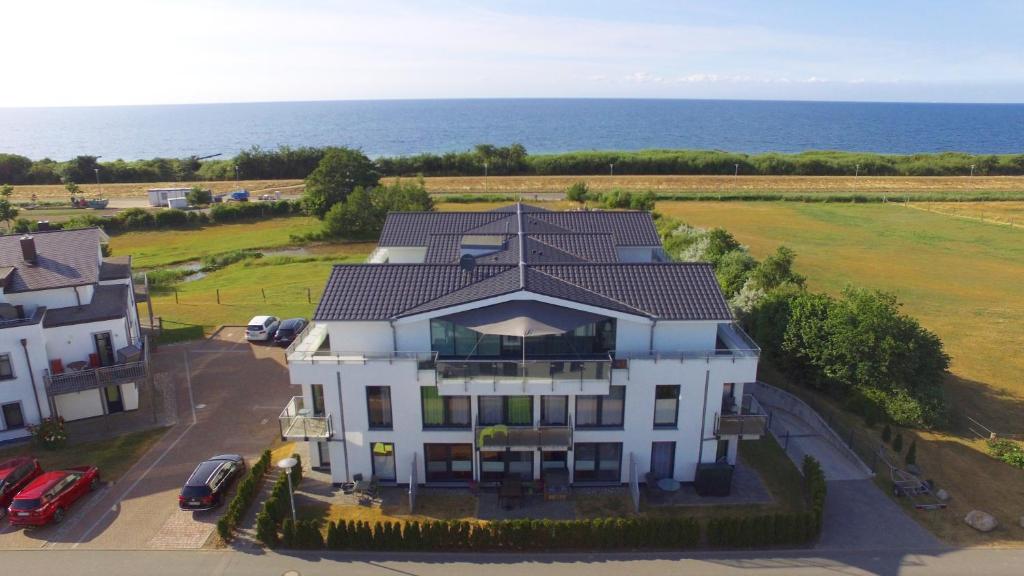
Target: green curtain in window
[[433, 406], [520, 411]]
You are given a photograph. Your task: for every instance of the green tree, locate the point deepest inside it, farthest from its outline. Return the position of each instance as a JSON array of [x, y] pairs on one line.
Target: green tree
[[776, 270], [402, 196], [732, 271], [72, 188], [577, 192], [355, 219], [197, 196], [337, 175], [7, 210]]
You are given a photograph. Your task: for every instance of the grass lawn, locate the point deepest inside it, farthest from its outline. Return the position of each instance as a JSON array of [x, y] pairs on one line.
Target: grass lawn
[[165, 247], [138, 190], [113, 457], [284, 281]]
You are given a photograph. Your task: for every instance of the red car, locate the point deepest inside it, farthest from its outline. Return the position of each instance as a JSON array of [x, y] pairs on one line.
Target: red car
[[15, 474], [47, 498]]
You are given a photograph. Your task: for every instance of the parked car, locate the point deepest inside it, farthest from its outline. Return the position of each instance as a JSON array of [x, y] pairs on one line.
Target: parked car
[[15, 474], [261, 328], [49, 496], [206, 487], [288, 330]]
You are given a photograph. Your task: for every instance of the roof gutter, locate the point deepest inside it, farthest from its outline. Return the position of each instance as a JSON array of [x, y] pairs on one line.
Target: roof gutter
[[522, 247]]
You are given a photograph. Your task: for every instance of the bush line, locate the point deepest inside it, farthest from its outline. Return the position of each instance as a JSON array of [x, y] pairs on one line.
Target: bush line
[[248, 488]]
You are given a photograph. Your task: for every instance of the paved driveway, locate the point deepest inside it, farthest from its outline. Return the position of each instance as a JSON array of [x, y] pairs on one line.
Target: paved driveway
[[237, 391]]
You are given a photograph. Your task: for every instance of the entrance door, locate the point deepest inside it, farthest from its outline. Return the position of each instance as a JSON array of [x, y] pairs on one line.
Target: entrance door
[[324, 449], [383, 455], [663, 459], [317, 391], [104, 348], [115, 402]]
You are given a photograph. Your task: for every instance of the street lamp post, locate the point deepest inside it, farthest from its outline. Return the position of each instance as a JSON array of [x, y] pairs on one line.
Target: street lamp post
[[737, 172], [611, 169], [857, 170], [236, 172], [972, 169], [287, 464], [97, 171]]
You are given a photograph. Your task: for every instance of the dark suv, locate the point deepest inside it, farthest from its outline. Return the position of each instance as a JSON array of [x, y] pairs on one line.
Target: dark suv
[[210, 481], [288, 331]]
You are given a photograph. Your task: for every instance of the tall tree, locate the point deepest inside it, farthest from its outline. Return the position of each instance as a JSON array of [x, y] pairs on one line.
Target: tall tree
[[339, 172], [7, 210]]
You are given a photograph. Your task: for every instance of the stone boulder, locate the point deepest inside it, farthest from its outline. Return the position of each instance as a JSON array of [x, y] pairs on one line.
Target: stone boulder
[[941, 494], [981, 521]]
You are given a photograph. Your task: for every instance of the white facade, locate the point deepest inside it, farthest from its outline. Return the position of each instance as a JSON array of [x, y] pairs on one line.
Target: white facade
[[392, 354], [160, 196], [74, 328]]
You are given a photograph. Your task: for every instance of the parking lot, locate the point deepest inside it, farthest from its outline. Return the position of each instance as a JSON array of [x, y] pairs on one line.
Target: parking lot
[[229, 394]]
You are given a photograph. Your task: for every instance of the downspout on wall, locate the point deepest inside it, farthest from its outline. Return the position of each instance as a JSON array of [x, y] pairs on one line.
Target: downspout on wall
[[32, 379]]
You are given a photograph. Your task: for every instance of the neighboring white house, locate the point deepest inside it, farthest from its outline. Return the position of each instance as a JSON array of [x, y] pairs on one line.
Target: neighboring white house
[[70, 343], [160, 196], [521, 342]]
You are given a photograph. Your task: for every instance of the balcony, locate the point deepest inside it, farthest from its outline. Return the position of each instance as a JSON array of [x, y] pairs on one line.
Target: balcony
[[92, 378], [749, 420], [297, 421], [501, 437]]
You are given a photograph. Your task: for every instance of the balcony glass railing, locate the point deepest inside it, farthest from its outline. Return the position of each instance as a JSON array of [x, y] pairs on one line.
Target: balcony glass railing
[[297, 421], [500, 436], [511, 370], [749, 420]]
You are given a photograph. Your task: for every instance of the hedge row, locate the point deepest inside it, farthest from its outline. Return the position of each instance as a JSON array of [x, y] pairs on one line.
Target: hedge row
[[247, 490], [277, 506]]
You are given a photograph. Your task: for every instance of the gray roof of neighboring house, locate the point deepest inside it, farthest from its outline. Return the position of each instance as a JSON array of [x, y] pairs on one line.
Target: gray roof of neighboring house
[[64, 258], [627, 228], [108, 303], [116, 268]]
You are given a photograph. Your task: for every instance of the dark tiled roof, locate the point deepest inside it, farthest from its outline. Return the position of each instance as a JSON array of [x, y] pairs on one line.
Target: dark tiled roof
[[525, 208], [586, 247], [108, 303], [415, 228], [64, 258], [675, 291], [116, 268], [382, 291]]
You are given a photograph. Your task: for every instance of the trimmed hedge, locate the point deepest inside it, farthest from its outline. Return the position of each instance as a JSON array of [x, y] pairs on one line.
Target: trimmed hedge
[[276, 509], [248, 488]]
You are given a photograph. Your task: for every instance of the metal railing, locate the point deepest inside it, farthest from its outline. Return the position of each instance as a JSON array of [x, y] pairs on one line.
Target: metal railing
[[732, 342], [298, 340], [750, 420], [502, 436], [297, 421], [569, 369], [91, 378]]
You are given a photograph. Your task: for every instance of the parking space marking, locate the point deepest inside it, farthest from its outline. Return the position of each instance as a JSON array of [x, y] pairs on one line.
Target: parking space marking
[[133, 485], [76, 519]]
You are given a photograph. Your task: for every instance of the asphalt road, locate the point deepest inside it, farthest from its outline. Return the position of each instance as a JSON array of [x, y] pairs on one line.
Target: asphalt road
[[227, 563]]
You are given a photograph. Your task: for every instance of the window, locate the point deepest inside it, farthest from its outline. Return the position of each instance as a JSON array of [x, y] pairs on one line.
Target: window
[[317, 391], [448, 462], [508, 410], [597, 462], [6, 370], [663, 459], [12, 416], [382, 461], [666, 406], [553, 461], [495, 466], [378, 407], [554, 410], [601, 411], [444, 411]]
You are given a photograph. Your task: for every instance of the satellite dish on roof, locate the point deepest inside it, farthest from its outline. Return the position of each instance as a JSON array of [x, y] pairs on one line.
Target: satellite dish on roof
[[467, 262]]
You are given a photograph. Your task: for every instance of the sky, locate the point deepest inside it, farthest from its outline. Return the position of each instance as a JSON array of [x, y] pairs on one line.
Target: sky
[[117, 52]]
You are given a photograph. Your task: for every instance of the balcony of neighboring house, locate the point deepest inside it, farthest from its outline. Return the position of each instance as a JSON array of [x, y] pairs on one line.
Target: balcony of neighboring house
[[523, 347], [745, 419], [298, 422], [535, 436], [129, 366]]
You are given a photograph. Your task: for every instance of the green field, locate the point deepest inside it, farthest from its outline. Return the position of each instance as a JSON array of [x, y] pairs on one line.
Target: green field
[[161, 248]]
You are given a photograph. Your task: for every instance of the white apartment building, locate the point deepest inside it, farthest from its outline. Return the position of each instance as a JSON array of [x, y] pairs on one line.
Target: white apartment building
[[517, 342], [70, 344]]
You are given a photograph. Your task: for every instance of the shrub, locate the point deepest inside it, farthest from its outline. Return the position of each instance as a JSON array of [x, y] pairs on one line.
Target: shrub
[[244, 496], [578, 192], [897, 442], [911, 456], [50, 433], [172, 218], [288, 534], [198, 197], [266, 530], [1008, 451]]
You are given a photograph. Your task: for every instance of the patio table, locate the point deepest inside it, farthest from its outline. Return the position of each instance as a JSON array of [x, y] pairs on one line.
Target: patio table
[[669, 484]]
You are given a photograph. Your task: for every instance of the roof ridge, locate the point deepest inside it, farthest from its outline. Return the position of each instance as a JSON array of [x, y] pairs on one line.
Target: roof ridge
[[589, 291], [418, 305]]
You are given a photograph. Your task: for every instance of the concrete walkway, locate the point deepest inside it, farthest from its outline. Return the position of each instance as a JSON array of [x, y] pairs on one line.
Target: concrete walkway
[[858, 516]]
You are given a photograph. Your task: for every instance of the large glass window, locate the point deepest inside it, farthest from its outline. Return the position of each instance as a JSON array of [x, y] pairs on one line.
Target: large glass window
[[601, 411], [508, 410], [666, 406], [448, 339], [448, 462], [663, 459], [6, 370], [378, 407], [554, 410], [597, 462], [495, 466], [444, 411]]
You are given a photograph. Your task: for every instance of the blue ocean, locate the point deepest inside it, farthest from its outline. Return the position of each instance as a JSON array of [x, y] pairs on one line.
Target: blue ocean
[[402, 127]]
